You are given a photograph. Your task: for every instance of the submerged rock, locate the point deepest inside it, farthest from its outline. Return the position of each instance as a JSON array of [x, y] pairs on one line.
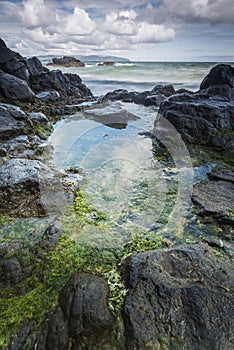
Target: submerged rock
[[178, 298], [111, 115]]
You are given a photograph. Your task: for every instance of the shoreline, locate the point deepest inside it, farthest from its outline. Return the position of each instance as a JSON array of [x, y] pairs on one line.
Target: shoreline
[[29, 270]]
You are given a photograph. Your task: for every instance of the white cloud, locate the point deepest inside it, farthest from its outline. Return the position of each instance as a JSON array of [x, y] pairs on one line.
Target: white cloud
[[152, 33], [79, 23], [124, 23], [71, 26], [192, 11], [38, 14]]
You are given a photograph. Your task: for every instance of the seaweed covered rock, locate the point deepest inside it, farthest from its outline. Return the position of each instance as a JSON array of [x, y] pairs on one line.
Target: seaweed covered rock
[[178, 298]]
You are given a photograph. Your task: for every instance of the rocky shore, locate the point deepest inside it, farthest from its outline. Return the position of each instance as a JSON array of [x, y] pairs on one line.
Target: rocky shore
[[56, 294]]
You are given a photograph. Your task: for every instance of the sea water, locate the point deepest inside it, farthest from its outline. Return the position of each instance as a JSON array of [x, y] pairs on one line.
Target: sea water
[[139, 76]]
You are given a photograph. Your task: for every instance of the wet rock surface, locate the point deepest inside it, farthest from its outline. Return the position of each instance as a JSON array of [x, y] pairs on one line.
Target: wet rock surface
[[84, 304], [29, 188], [207, 116], [21, 78], [179, 298], [214, 197], [158, 94]]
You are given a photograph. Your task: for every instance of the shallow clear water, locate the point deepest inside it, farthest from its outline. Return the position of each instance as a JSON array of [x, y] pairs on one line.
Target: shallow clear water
[[137, 191]]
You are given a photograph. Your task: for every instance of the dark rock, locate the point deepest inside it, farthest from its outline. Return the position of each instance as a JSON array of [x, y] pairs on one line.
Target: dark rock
[[215, 197], [147, 98], [17, 68], [107, 63], [10, 123], [84, 304], [120, 95], [197, 119], [39, 119], [24, 333], [219, 75], [53, 80], [178, 298], [66, 84], [30, 188], [166, 90], [15, 89], [205, 117], [76, 86], [10, 272], [34, 66], [66, 61], [54, 336]]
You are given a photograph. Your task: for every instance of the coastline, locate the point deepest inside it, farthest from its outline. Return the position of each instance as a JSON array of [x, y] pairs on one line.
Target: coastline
[[61, 266]]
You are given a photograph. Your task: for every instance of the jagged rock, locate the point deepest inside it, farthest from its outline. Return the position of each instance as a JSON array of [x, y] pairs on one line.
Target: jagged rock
[[30, 188], [178, 298], [84, 304], [15, 89], [215, 197]]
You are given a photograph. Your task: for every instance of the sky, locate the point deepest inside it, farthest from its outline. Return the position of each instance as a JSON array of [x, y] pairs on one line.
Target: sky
[[141, 30]]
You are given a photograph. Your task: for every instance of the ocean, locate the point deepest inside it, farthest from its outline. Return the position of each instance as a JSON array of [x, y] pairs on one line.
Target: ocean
[[140, 76]]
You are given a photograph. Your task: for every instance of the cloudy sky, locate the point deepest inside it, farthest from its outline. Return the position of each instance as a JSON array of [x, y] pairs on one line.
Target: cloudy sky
[[150, 30]]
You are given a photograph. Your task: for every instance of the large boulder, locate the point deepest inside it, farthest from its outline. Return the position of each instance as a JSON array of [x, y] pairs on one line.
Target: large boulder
[[30, 188], [15, 89], [178, 298], [205, 117], [196, 118], [219, 75]]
